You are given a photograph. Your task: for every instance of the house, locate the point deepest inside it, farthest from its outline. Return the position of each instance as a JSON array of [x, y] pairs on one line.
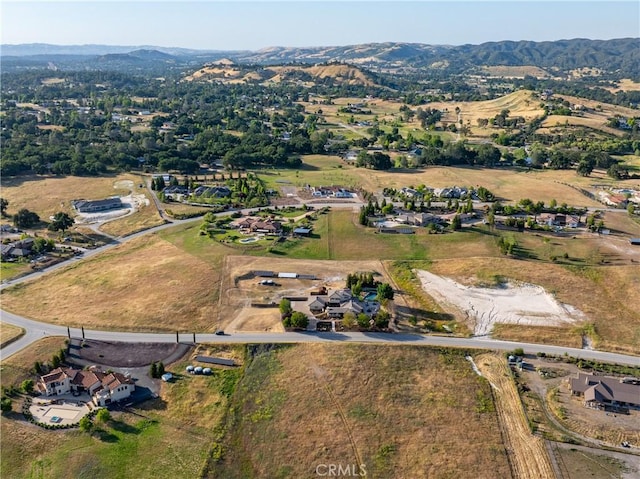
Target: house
[[341, 302], [92, 206], [634, 241], [17, 249], [104, 388], [258, 225], [600, 392], [212, 191]]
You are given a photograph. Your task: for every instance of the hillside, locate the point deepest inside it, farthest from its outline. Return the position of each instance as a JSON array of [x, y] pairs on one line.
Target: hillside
[[618, 56], [224, 71]]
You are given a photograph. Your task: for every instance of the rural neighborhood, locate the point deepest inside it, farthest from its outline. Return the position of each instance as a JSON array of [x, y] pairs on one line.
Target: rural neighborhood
[[385, 258]]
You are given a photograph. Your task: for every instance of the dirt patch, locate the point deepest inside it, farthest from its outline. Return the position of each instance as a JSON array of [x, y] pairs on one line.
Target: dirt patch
[[526, 304], [126, 355]]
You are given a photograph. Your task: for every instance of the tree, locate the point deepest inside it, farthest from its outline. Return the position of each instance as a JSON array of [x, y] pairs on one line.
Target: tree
[[85, 424], [55, 361], [27, 386], [160, 368], [382, 319], [584, 168], [349, 320], [456, 223], [285, 307], [3, 207], [299, 320], [153, 370], [385, 291], [25, 219], [363, 320], [61, 222], [103, 416], [6, 405]]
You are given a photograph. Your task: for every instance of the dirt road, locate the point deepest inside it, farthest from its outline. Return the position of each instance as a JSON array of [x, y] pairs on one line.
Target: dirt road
[[527, 453]]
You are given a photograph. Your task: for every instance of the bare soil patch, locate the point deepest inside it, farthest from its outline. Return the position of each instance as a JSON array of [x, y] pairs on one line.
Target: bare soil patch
[[125, 355], [516, 71], [240, 287], [601, 292], [522, 304]]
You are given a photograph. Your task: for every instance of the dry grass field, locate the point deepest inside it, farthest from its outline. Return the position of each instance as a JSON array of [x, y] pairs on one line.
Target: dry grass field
[[18, 367], [559, 124], [516, 71], [147, 284], [625, 85], [400, 412], [528, 458], [520, 103], [9, 333], [48, 195], [508, 184]]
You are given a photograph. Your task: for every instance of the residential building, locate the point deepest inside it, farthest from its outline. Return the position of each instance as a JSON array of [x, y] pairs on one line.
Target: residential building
[[600, 391], [104, 388], [92, 206]]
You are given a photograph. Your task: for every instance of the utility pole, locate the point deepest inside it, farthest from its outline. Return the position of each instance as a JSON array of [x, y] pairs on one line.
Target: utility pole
[[68, 332], [82, 332], [177, 337]]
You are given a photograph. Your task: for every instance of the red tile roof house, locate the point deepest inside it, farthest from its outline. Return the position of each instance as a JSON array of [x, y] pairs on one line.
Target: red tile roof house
[[600, 391], [104, 388]]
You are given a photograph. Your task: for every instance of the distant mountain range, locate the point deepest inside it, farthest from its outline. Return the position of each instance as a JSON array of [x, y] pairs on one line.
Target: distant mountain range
[[619, 55]]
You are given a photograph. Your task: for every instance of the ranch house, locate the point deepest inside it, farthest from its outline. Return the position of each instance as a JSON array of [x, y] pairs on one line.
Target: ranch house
[[600, 392]]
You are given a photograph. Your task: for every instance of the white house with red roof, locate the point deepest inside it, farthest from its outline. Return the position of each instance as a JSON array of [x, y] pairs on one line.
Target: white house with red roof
[[104, 388]]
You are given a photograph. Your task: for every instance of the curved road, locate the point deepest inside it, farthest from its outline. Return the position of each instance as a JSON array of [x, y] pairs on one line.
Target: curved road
[[35, 330]]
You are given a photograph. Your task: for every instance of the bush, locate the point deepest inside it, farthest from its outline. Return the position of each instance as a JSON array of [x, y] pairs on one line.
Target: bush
[[27, 386], [103, 416], [6, 405]]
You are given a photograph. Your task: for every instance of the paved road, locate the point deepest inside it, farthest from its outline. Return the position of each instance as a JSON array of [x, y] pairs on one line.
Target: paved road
[[36, 330]]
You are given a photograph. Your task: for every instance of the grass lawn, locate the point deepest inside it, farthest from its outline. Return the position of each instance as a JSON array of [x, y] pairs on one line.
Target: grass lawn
[[11, 270], [9, 333], [401, 412]]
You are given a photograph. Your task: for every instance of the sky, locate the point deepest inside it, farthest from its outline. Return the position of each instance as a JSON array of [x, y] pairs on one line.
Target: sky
[[252, 25]]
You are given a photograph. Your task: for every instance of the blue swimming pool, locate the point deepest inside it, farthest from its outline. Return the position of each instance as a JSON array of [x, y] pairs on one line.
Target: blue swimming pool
[[370, 296]]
